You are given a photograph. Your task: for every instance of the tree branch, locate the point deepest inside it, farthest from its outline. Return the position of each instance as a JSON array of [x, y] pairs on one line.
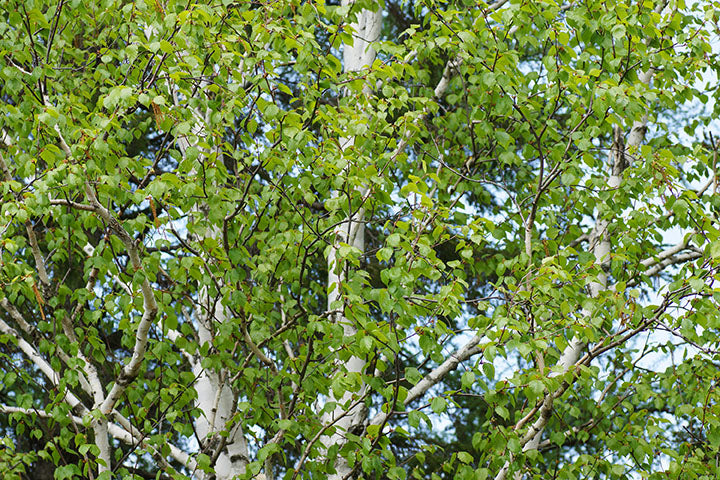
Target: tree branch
[[131, 370], [41, 364], [438, 373], [69, 203]]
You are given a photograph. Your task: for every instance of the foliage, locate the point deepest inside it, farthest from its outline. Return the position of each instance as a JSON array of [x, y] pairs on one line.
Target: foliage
[[264, 238]]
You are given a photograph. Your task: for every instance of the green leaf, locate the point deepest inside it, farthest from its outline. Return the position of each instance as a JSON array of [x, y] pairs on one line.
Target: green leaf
[[503, 412], [393, 240], [465, 457], [715, 249], [468, 378], [438, 404], [203, 462]]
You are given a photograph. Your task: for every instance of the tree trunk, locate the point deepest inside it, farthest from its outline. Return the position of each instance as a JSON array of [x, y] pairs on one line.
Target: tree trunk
[[600, 242], [350, 413]]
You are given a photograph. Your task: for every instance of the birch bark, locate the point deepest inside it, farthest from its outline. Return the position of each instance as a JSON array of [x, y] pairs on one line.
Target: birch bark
[[215, 397], [601, 244], [350, 414]]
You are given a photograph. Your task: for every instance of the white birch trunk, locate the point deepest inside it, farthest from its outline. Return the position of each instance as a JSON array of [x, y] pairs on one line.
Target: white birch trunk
[[215, 397], [600, 242], [359, 55]]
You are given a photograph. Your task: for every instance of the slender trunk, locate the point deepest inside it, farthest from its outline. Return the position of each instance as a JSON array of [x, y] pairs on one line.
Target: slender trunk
[[350, 414], [600, 242], [225, 444]]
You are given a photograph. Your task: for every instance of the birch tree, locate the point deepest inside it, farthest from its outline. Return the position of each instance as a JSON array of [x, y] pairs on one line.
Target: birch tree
[[358, 240], [350, 411]]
